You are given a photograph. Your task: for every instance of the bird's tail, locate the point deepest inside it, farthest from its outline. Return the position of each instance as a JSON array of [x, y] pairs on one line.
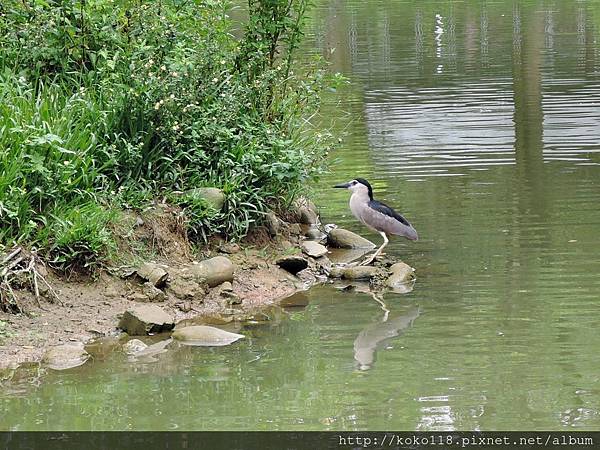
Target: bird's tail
[[412, 234]]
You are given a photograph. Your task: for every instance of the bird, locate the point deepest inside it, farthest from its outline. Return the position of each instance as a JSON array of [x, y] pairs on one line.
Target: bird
[[376, 215]]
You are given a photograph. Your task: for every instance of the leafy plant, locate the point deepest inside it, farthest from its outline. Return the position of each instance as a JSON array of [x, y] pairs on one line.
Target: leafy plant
[[108, 104]]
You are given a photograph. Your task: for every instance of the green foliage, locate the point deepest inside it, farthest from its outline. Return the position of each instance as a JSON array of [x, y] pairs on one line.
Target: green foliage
[[113, 102], [5, 330], [76, 235]]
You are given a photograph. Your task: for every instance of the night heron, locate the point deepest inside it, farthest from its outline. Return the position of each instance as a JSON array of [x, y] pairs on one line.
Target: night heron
[[376, 215]]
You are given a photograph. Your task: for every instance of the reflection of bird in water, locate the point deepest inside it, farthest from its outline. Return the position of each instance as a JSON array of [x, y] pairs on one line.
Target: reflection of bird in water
[[377, 295], [376, 336], [376, 215]]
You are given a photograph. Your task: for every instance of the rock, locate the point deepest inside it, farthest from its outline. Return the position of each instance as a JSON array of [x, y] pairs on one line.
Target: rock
[[213, 271], [344, 256], [66, 356], [227, 287], [138, 297], [229, 248], [226, 291], [307, 277], [310, 205], [202, 335], [292, 263], [338, 237], [323, 265], [249, 318], [359, 272], [146, 319], [187, 289], [336, 272], [216, 319], [133, 346], [295, 229], [111, 292], [127, 272], [272, 223], [154, 274], [306, 216], [315, 234], [231, 298], [153, 293], [299, 299], [185, 306], [306, 211], [215, 197], [285, 244], [400, 273], [314, 249], [152, 350]]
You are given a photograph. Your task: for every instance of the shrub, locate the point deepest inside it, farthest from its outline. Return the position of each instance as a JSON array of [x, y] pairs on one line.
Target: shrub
[[131, 97]]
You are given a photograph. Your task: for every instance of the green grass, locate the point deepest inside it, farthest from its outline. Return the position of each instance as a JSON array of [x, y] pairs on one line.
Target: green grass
[[5, 330]]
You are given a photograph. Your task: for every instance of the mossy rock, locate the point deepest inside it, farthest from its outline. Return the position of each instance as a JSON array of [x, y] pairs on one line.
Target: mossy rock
[[215, 197]]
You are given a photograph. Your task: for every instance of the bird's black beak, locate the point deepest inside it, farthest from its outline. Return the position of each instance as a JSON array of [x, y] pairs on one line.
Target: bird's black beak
[[342, 186]]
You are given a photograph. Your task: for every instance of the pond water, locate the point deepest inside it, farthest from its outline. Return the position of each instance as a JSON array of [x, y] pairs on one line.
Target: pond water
[[479, 121]]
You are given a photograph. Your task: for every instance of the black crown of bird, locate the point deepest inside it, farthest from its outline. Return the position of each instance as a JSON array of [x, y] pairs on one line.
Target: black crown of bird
[[366, 183], [376, 215]]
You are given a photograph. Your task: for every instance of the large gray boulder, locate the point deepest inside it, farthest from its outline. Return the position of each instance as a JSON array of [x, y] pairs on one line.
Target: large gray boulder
[[215, 197], [340, 238], [205, 336], [314, 249], [213, 271], [400, 273], [146, 319], [66, 356]]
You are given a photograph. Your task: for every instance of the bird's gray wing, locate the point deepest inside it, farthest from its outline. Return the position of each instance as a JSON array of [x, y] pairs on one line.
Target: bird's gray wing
[[383, 218]]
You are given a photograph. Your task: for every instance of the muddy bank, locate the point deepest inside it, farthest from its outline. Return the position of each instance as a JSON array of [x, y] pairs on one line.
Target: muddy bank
[[222, 282]]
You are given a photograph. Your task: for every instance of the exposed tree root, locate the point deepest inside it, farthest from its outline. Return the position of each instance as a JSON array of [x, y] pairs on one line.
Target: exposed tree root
[[18, 270]]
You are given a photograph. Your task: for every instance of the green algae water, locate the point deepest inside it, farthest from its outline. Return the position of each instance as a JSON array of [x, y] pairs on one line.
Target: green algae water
[[480, 121]]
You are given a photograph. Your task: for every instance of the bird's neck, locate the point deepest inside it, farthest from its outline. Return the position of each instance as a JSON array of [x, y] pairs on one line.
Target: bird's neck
[[361, 197]]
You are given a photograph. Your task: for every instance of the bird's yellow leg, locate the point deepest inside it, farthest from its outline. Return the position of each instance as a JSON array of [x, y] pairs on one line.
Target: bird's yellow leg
[[379, 300], [370, 259]]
